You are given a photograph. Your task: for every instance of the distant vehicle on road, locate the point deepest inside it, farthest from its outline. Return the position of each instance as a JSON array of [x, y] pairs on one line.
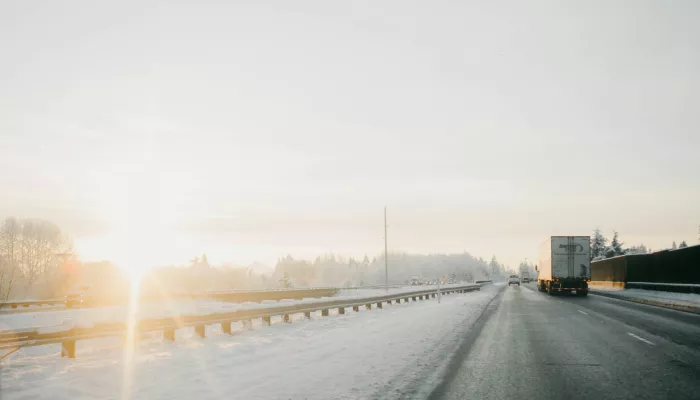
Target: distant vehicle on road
[[80, 297], [564, 265], [513, 280], [525, 276], [415, 280]]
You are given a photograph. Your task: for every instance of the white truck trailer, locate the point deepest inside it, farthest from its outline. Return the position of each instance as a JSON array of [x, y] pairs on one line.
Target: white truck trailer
[[525, 275], [564, 265]]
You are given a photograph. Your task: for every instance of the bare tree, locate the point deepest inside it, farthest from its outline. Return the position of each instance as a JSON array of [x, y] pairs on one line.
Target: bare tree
[[41, 241], [10, 243]]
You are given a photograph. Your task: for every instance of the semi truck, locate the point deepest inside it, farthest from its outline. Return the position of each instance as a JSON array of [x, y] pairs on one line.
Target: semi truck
[[564, 265]]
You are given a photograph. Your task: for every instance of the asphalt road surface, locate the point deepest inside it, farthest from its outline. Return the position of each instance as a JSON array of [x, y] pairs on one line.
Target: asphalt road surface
[[532, 345]]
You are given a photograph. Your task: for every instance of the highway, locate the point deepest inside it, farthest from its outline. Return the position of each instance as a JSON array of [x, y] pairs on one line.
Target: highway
[[532, 345]]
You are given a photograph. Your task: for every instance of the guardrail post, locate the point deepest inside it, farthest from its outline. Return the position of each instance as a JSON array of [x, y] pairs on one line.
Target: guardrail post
[[414, 298], [324, 313], [68, 348], [266, 320], [200, 330], [169, 334], [341, 310], [368, 306], [388, 302], [379, 305], [356, 308], [286, 318], [226, 327]]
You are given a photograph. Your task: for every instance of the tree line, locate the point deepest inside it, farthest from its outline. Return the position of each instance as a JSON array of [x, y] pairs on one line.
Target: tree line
[[333, 270], [602, 248]]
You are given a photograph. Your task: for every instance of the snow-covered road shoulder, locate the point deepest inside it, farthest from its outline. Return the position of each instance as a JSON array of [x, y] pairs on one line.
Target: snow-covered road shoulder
[[396, 352], [680, 301]]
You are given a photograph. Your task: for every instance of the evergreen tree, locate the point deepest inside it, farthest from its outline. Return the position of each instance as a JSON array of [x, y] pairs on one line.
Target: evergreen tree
[[641, 249], [610, 252], [494, 267], [616, 245], [673, 246], [598, 244], [682, 245]]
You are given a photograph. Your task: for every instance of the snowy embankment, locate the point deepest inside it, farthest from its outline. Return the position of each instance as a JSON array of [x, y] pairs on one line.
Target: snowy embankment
[[680, 301], [396, 352], [86, 317]]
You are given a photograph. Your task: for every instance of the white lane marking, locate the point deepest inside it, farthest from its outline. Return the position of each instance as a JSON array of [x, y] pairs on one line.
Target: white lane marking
[[640, 338], [583, 312]]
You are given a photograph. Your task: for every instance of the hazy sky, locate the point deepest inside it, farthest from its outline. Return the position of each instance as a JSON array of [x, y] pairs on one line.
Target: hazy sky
[[248, 130]]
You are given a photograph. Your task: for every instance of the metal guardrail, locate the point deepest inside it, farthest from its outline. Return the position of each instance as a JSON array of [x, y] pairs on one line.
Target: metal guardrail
[[29, 303], [12, 340], [230, 296], [397, 285]]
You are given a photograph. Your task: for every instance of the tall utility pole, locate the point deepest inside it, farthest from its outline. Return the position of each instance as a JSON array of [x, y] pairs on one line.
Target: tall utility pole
[[386, 256]]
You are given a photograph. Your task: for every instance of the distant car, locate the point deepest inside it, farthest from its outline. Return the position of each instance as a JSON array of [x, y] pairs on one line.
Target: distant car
[[79, 298], [513, 280]]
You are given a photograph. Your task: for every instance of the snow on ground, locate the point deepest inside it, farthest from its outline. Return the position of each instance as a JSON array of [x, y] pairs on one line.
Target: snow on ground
[[85, 317], [89, 316], [687, 299], [397, 352]]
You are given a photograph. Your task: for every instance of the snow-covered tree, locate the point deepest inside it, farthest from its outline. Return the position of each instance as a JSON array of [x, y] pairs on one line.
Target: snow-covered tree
[[682, 245], [673, 246], [494, 267], [616, 245], [641, 249], [598, 245]]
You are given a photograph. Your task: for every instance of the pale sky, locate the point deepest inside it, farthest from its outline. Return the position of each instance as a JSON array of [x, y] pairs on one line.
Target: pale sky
[[252, 129]]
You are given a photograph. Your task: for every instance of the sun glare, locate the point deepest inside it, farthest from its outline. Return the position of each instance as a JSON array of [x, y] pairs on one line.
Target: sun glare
[[143, 206]]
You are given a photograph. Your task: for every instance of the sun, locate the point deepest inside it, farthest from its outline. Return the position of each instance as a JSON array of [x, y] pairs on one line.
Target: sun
[[142, 209]]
